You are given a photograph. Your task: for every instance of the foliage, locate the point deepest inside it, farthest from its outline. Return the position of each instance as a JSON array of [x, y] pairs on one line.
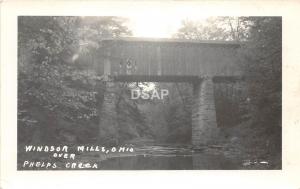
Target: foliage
[[214, 28], [261, 61], [55, 98]]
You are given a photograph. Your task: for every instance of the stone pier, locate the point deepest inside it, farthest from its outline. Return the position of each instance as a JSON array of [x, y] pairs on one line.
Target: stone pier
[[107, 113], [204, 123]]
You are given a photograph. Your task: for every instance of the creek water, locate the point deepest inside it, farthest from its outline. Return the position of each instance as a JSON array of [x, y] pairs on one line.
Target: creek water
[[166, 158]]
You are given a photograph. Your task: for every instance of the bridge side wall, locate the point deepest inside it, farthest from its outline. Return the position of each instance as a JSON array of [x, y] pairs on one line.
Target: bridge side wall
[[159, 58], [204, 123]]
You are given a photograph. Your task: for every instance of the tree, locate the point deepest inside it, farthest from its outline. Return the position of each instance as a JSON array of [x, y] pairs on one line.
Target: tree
[[214, 28], [263, 62], [55, 98]]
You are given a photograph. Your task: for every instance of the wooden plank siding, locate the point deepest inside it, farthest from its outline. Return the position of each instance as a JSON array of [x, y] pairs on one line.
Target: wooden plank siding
[[168, 57]]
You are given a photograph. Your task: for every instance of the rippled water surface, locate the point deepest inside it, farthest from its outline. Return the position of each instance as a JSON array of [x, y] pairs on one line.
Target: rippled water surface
[[163, 158]]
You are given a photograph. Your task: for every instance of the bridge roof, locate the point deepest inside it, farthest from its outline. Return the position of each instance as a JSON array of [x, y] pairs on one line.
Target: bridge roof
[[173, 40]]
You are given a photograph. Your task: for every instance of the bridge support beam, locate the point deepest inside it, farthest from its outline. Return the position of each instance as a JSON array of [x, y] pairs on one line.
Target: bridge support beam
[[204, 123]]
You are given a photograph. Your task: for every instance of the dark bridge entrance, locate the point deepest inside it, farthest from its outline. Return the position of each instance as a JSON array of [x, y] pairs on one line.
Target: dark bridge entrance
[[159, 60]]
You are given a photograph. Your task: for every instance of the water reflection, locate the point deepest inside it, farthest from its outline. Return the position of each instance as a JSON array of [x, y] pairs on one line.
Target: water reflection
[[213, 162], [168, 162]]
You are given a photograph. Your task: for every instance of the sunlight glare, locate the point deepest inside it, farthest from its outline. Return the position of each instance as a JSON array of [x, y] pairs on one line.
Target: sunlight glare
[[158, 25]]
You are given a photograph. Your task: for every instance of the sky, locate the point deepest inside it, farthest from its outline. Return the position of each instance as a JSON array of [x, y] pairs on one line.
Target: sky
[[157, 25]]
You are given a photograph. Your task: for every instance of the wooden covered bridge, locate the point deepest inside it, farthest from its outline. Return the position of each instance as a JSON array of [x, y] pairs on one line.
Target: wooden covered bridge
[[201, 63]]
